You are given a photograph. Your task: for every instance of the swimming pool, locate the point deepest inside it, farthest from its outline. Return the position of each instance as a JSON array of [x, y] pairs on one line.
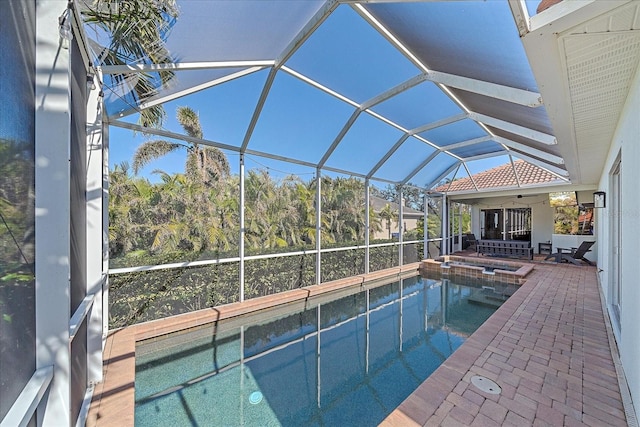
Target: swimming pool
[[349, 361]]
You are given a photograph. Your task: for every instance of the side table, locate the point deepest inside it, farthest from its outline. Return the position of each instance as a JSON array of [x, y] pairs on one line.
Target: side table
[[544, 248]]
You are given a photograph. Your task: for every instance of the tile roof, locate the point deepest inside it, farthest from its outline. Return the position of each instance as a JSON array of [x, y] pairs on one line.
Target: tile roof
[[502, 176]]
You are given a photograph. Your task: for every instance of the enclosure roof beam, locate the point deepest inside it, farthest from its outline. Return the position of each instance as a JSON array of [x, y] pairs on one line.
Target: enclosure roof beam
[[560, 173], [393, 149], [443, 174], [179, 66], [473, 181], [439, 123], [515, 171], [420, 166], [541, 137], [529, 150], [520, 16], [493, 90], [321, 15], [466, 143], [189, 91], [339, 138], [402, 87]]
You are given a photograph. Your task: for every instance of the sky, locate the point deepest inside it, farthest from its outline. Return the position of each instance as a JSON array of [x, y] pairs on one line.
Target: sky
[[301, 121]]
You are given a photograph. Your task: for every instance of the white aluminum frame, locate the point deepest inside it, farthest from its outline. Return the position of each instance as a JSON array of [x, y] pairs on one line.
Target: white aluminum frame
[[96, 241], [32, 394], [52, 180]]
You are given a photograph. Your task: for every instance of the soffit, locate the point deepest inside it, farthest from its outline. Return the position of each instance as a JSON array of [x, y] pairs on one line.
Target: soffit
[[587, 79]]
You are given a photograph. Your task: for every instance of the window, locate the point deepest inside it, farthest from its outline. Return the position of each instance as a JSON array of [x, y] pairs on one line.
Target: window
[[506, 224], [17, 208]]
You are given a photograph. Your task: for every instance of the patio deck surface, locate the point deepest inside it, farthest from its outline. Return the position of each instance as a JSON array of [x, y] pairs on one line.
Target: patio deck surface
[[547, 347]]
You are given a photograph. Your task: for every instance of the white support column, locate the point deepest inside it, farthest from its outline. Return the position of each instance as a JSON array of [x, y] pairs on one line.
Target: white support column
[[400, 320], [460, 227], [367, 225], [95, 245], [425, 238], [400, 227], [504, 224], [52, 175], [367, 337], [444, 248], [242, 229], [105, 232], [318, 223], [318, 347]]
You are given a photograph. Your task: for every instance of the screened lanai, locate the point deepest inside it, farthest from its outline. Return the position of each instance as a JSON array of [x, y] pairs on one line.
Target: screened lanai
[[362, 99], [213, 153]]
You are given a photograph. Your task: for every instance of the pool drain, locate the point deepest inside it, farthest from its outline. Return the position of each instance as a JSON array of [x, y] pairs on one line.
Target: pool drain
[[255, 397], [485, 384]]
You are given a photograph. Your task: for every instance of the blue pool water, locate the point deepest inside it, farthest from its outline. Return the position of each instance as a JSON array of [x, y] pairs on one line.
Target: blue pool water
[[350, 361]]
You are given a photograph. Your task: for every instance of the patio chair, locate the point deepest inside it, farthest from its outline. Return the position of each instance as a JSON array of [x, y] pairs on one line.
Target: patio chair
[[573, 255]]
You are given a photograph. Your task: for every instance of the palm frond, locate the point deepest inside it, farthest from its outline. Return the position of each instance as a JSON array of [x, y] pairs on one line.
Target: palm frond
[[138, 29], [152, 150], [189, 121]]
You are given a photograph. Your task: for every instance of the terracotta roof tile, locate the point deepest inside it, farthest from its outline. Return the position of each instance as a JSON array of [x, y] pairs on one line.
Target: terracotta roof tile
[[502, 176]]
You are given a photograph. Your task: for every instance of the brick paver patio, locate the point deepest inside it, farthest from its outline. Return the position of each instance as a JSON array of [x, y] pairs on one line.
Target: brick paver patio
[[548, 349]]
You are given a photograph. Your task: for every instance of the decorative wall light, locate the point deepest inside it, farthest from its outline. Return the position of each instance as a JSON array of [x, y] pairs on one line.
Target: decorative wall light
[[599, 199], [91, 84]]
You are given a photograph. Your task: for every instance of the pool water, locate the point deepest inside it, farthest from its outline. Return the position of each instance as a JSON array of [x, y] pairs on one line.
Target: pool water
[[349, 361]]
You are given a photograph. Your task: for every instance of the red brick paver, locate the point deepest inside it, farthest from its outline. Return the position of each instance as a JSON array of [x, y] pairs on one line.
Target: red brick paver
[[547, 347]]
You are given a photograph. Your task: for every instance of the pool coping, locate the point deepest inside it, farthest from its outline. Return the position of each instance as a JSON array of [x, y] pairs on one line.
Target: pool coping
[[113, 401], [446, 265]]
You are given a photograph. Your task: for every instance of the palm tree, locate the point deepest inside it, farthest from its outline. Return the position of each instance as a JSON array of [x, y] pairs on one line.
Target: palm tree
[[343, 208], [130, 210], [137, 29], [206, 165], [270, 212], [389, 214], [305, 204]]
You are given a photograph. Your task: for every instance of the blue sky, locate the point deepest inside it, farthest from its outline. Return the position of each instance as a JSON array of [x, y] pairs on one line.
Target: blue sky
[[301, 121]]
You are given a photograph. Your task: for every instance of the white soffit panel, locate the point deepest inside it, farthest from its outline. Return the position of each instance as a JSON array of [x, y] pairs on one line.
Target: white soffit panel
[[599, 83], [601, 59]]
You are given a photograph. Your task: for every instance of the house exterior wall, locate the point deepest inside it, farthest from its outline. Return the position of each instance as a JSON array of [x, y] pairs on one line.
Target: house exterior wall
[[541, 215], [409, 225], [626, 143], [541, 220]]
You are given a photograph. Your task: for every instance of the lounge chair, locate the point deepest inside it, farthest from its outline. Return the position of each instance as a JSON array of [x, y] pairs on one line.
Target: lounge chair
[[573, 255]]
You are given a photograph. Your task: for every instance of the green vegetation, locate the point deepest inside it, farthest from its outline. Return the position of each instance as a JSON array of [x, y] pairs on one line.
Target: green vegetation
[[569, 217], [195, 216], [17, 234], [573, 220]]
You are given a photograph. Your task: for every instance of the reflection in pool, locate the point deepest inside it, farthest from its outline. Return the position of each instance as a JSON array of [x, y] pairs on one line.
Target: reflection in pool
[[350, 361]]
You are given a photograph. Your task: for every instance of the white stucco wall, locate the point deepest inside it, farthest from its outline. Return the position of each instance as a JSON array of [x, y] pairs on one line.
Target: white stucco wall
[[627, 142], [568, 241], [541, 221]]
